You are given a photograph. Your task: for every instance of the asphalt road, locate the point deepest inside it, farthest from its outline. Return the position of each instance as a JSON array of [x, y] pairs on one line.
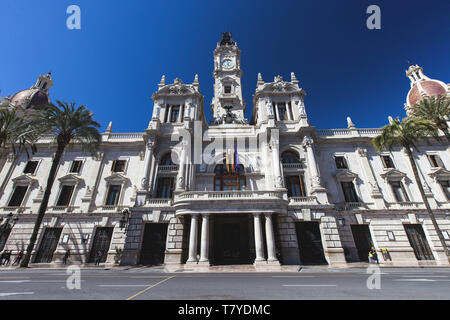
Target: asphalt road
[[151, 284]]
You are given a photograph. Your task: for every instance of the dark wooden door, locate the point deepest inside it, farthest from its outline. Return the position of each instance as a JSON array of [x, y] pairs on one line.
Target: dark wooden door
[[154, 243], [102, 241], [231, 240], [363, 240], [418, 241], [310, 243], [48, 245]]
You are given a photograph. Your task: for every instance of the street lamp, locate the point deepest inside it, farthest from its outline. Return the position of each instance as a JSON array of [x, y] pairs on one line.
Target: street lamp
[[124, 221]]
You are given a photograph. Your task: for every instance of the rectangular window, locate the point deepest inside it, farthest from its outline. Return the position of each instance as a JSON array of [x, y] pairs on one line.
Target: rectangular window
[[76, 166], [446, 188], [388, 163], [349, 192], [31, 167], [119, 165], [282, 112], [296, 186], [227, 89], [274, 111], [165, 188], [17, 196], [65, 196], [341, 163], [399, 191], [166, 113], [113, 195], [435, 161], [174, 113]]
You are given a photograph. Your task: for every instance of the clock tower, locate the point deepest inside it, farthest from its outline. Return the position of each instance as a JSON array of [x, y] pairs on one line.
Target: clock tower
[[227, 105]]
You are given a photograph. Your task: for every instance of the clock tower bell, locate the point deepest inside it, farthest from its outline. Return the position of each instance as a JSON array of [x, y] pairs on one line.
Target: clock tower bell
[[227, 105]]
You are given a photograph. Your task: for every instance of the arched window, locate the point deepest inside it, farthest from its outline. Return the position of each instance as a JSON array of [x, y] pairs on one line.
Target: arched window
[[229, 178], [290, 157], [166, 160]]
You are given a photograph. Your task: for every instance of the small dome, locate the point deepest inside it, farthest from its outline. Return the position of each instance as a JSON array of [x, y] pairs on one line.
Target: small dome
[[428, 87], [30, 98]]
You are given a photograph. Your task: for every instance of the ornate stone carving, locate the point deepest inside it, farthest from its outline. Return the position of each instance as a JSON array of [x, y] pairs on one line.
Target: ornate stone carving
[[362, 152], [307, 142]]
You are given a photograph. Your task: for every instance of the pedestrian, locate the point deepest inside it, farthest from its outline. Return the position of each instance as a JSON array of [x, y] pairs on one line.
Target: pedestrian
[[98, 258], [18, 258], [7, 257], [373, 256], [66, 256]]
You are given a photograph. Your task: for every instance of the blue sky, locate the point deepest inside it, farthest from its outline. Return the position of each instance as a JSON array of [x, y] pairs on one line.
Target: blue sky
[[114, 63]]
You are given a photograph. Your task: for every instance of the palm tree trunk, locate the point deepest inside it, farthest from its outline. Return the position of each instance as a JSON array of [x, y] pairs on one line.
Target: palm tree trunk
[[444, 128], [43, 206], [425, 200]]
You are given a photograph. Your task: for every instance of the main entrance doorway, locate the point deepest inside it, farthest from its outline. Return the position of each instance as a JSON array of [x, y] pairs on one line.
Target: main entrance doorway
[[418, 241], [48, 245], [231, 240], [154, 243], [363, 240], [310, 243], [102, 241]]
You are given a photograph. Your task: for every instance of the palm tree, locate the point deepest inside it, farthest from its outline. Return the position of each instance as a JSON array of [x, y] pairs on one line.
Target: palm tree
[[69, 125], [406, 133], [436, 110], [16, 133]]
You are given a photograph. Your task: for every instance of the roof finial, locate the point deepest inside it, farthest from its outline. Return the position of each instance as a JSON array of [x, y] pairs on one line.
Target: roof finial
[[109, 128], [293, 78], [350, 123], [260, 80]]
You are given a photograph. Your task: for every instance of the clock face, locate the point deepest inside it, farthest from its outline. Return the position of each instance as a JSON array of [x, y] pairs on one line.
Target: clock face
[[227, 64]]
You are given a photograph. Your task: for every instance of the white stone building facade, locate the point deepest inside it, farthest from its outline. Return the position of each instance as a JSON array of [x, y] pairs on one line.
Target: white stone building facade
[[270, 190]]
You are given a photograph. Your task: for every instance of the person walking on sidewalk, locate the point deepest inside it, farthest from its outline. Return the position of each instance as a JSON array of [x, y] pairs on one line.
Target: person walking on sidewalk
[[66, 256], [98, 258], [373, 256], [18, 258], [7, 257]]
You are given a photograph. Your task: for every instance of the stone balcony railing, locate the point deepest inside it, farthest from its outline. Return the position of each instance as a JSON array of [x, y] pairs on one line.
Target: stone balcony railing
[[159, 202], [405, 205], [293, 166], [228, 195], [347, 133], [303, 201], [168, 168], [354, 206]]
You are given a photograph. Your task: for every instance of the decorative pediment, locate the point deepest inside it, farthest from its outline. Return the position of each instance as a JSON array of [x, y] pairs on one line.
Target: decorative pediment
[[393, 175], [116, 178], [176, 88], [70, 179], [24, 180], [440, 174], [346, 175], [279, 87]]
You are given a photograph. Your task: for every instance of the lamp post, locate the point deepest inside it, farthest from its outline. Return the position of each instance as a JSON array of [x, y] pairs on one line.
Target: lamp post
[[125, 220]]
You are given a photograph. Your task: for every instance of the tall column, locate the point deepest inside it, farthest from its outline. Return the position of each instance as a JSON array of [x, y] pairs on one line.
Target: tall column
[[270, 240], [204, 249], [368, 173], [182, 169], [276, 161], [147, 163], [277, 114], [259, 245], [312, 164], [193, 239], [317, 189]]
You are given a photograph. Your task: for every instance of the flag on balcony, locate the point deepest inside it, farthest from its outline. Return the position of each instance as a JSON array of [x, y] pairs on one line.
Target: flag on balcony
[[236, 162], [227, 160]]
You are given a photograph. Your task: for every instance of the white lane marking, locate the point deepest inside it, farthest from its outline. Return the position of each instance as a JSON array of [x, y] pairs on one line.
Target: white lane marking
[[14, 281], [309, 285], [421, 280], [293, 277], [5, 294], [427, 276], [124, 285]]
